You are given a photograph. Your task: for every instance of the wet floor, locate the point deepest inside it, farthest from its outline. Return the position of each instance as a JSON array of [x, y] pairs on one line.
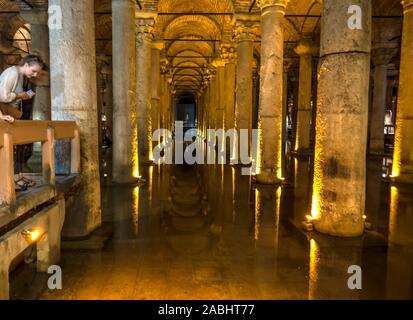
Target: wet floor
[[207, 232]]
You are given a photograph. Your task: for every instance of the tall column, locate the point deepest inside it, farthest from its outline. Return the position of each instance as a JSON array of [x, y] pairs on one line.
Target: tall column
[[212, 101], [244, 33], [73, 94], [40, 45], [125, 164], [220, 87], [403, 148], [229, 56], [305, 50], [157, 47], [271, 91], [228, 53], [381, 58], [339, 186], [144, 38]]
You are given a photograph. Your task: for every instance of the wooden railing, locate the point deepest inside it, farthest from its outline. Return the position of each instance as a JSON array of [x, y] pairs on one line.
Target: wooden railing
[[26, 132]]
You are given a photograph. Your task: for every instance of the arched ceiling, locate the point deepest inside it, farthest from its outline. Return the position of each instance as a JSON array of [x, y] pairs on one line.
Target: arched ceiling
[[193, 41]]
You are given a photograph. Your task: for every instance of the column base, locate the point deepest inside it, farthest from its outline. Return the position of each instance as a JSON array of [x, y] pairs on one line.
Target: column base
[[405, 179], [303, 152], [268, 177], [341, 232], [127, 182]]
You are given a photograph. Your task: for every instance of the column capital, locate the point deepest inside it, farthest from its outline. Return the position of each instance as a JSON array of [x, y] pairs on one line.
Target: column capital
[[305, 47], [145, 30], [407, 6], [279, 5], [228, 52], [35, 16], [218, 62], [158, 45], [245, 30]]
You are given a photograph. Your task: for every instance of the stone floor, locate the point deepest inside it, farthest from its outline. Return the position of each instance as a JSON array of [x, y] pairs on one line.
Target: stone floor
[[206, 232]]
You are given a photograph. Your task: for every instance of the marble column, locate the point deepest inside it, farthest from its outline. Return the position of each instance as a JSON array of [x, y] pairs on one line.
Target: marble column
[[212, 101], [245, 36], [73, 92], [144, 38], [220, 86], [305, 50], [125, 166], [339, 187], [40, 45], [157, 47], [381, 58], [228, 53], [271, 91], [403, 148]]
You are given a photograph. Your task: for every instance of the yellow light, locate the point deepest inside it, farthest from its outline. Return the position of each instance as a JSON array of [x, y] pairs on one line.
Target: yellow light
[[309, 218], [397, 155], [136, 209], [313, 268], [257, 214], [31, 235]]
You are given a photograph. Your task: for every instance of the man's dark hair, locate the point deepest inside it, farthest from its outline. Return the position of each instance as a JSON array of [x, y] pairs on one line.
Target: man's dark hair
[[33, 59]]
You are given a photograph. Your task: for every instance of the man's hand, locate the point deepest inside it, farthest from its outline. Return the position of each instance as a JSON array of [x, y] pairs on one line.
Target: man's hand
[[7, 118], [24, 96]]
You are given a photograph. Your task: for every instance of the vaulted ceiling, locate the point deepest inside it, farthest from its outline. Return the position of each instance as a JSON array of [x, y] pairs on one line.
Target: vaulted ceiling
[[193, 41]]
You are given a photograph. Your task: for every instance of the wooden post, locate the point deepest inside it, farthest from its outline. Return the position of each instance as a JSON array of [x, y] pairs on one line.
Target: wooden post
[[48, 159], [7, 191], [75, 157]]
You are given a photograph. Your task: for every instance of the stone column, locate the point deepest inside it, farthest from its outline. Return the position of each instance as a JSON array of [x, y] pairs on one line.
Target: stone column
[[157, 47], [339, 186], [403, 148], [220, 87], [145, 36], [244, 34], [73, 92], [381, 58], [125, 164], [38, 20], [212, 101], [271, 91], [228, 53], [306, 51]]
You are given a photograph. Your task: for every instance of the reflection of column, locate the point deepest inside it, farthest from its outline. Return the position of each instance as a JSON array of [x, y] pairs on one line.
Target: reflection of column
[[74, 98], [156, 84], [305, 50], [271, 90], [339, 187], [40, 45], [381, 58], [403, 148], [145, 35], [399, 254], [328, 268], [244, 32], [125, 164]]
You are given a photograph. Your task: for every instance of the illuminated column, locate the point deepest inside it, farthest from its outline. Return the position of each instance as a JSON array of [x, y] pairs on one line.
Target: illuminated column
[[157, 47], [244, 34], [403, 148], [271, 91], [381, 58], [73, 92], [40, 45], [306, 51], [144, 38], [339, 185], [228, 53], [212, 100], [220, 86], [125, 164]]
